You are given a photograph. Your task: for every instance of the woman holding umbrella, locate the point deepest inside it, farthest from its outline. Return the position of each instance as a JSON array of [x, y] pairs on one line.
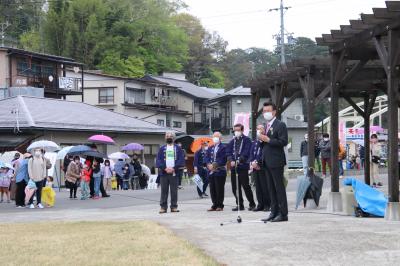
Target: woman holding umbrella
[[37, 173], [72, 176]]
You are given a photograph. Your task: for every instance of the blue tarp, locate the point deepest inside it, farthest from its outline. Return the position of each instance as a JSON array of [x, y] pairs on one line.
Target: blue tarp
[[369, 199]]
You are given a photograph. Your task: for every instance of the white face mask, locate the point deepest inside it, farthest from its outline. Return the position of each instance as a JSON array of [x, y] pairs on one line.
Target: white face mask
[[237, 134], [258, 133], [268, 116], [206, 148], [215, 140], [306, 139], [38, 153], [326, 139]]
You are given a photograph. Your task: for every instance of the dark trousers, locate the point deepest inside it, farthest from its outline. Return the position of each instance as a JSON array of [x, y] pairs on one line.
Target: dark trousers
[[179, 175], [217, 191], [169, 183], [20, 193], [326, 161], [73, 187], [91, 187], [262, 192], [119, 182], [243, 177], [204, 178], [277, 190], [39, 186]]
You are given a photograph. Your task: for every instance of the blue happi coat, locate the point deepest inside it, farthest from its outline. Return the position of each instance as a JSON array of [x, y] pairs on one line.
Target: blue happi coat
[[219, 159], [256, 152], [242, 152], [161, 159]]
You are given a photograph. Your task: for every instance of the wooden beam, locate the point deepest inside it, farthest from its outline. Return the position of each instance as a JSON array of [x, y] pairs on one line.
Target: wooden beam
[[371, 103], [294, 96], [382, 52], [367, 140], [355, 106], [354, 70], [322, 95]]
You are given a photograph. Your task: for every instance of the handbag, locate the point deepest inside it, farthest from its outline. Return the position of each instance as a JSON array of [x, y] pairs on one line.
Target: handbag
[[375, 159]]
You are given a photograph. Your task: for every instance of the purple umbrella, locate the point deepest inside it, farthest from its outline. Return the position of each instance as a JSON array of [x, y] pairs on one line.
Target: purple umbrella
[[132, 147], [102, 139]]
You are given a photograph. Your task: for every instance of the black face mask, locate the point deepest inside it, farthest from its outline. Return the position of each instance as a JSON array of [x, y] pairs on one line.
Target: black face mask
[[170, 140]]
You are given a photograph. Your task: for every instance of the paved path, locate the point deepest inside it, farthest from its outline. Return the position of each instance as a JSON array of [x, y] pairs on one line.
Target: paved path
[[311, 237]]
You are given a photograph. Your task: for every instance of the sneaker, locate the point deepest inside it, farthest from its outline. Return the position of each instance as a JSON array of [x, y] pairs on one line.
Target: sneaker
[[379, 184], [180, 187], [40, 206], [19, 207], [341, 177], [174, 210], [31, 206], [162, 211], [205, 195]]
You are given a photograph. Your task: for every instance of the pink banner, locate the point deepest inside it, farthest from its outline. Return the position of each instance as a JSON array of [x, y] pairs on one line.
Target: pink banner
[[244, 119]]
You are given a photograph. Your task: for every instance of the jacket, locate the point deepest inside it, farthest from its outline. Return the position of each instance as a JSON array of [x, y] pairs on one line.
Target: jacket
[[200, 163], [243, 153], [274, 150], [161, 159], [86, 173], [256, 152], [303, 148], [22, 171], [37, 169], [325, 147], [73, 172], [219, 162]]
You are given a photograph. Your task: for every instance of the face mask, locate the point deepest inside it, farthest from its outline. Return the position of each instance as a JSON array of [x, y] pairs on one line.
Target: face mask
[[237, 134], [206, 148], [38, 153], [258, 133], [169, 140], [216, 140], [268, 116], [306, 139], [326, 139]]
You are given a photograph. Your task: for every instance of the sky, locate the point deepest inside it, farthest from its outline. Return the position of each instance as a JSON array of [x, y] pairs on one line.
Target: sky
[[247, 23]]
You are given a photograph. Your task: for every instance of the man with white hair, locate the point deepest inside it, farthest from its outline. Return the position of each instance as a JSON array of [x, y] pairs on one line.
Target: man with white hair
[[216, 159], [170, 158]]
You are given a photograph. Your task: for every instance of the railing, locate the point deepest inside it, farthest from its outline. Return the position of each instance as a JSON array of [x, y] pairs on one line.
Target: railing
[[63, 84]]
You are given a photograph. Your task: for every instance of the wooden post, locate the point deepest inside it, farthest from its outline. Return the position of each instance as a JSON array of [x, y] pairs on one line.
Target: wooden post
[[334, 134], [392, 91], [255, 102], [366, 140]]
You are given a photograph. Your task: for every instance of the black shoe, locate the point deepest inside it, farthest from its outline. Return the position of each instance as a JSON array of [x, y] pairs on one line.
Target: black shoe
[[236, 209], [266, 209], [280, 218], [270, 218], [379, 184], [258, 209], [251, 208], [205, 194], [75, 197], [106, 196], [200, 196]]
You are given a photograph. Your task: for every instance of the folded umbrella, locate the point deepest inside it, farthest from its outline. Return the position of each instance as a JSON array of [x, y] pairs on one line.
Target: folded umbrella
[[118, 155], [47, 145], [315, 189], [101, 139], [132, 147], [303, 183], [146, 170]]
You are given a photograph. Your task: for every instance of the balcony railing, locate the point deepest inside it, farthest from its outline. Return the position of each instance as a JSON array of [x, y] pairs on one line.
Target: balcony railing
[[63, 84]]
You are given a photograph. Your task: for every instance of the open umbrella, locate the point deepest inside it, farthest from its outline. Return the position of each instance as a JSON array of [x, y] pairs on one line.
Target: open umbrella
[[133, 147], [63, 152], [101, 139], [79, 150], [196, 144], [94, 154], [185, 140], [146, 170], [47, 145], [118, 155], [303, 183]]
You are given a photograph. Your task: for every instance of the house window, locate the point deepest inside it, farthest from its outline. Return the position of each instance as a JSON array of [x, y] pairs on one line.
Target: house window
[[22, 67], [168, 120], [177, 124], [135, 96], [106, 95], [160, 122]]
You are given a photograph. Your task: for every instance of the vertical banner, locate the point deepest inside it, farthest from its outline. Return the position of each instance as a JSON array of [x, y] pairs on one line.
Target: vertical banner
[[342, 133], [244, 119]]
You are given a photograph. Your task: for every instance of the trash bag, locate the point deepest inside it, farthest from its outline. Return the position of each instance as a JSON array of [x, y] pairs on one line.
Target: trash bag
[[48, 196], [368, 199]]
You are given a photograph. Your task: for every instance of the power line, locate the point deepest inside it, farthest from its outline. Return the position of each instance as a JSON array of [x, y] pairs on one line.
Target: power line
[[282, 8]]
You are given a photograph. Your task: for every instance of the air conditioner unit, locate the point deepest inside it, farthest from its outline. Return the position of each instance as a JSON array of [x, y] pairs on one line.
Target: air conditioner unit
[[299, 117]]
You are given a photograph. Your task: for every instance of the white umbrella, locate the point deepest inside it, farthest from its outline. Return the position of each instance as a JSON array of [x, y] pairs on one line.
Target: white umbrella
[[47, 145], [118, 155], [146, 170], [63, 152]]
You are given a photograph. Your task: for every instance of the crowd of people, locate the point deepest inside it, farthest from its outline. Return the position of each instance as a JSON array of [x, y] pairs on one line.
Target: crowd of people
[[264, 158]]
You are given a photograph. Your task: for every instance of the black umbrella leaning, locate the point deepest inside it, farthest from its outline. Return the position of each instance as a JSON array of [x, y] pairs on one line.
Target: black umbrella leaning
[[86, 151], [309, 187]]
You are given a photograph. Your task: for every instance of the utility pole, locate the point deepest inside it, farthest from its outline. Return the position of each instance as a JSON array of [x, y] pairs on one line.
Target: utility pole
[[4, 26], [282, 8]]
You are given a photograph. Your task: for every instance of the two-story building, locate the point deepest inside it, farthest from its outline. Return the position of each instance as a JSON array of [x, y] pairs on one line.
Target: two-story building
[[23, 72]]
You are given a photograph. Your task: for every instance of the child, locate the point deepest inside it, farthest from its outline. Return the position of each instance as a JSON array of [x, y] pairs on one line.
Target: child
[[125, 177], [5, 181], [85, 180], [114, 181], [30, 190], [96, 178], [107, 173], [48, 194]]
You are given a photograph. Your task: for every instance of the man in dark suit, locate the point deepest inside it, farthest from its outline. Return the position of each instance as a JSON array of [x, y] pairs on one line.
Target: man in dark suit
[[238, 153], [275, 138], [200, 168], [216, 166]]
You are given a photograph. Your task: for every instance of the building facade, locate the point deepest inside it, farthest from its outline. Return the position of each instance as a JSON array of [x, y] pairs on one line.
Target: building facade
[[29, 73]]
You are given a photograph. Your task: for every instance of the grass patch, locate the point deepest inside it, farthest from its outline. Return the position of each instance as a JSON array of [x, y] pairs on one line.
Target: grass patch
[[96, 243]]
